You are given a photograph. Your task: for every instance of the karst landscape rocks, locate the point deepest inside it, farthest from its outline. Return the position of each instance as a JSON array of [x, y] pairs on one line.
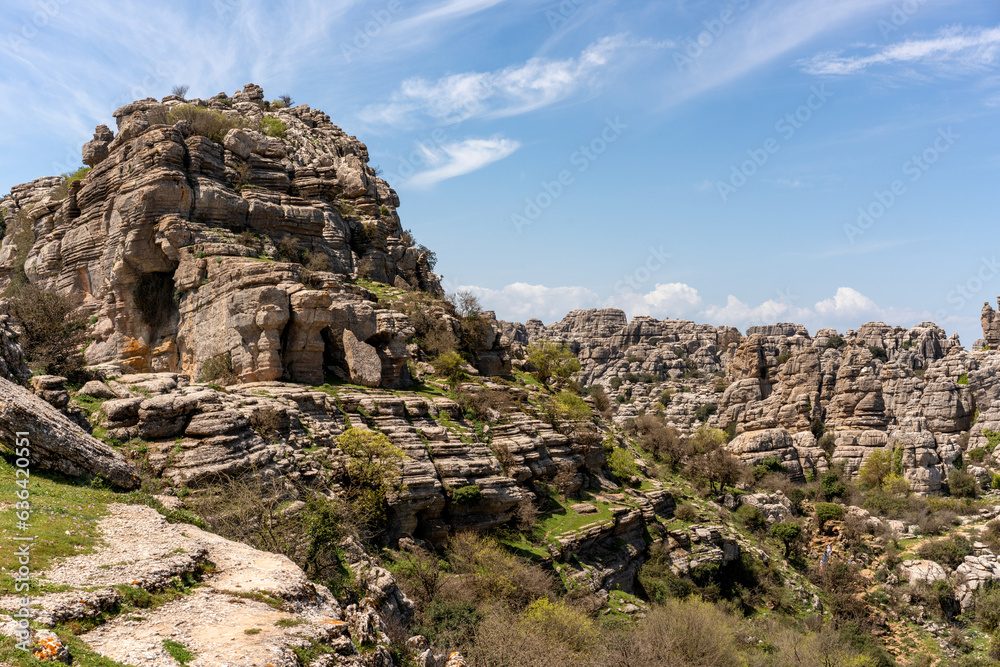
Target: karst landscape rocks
[[251, 296]]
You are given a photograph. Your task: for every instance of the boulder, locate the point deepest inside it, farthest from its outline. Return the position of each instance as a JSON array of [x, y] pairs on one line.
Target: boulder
[[363, 361], [55, 442], [922, 571]]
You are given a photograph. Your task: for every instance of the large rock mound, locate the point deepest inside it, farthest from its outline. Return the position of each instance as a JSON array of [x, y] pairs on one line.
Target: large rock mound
[[229, 256]]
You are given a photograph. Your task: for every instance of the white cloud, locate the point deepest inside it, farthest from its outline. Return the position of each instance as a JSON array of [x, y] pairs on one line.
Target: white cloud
[[446, 11], [953, 48], [521, 301], [665, 300], [847, 303], [846, 309], [462, 157], [766, 30], [737, 313], [513, 90]]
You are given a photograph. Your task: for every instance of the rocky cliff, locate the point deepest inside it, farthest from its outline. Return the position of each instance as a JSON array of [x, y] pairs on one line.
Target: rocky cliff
[[778, 389], [234, 250]]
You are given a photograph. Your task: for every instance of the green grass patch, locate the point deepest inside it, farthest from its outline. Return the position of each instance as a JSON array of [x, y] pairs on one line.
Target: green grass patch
[[63, 520], [564, 520], [88, 404], [178, 651]]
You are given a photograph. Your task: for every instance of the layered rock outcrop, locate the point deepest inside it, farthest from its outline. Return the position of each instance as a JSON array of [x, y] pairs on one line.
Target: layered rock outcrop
[[227, 256], [779, 388], [12, 366], [56, 443]]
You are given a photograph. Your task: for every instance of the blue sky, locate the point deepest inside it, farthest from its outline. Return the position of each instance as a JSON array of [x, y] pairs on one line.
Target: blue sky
[[828, 162]]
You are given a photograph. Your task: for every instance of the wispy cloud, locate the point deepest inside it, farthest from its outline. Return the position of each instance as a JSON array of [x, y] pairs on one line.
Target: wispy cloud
[[766, 31], [954, 49], [446, 11], [846, 309], [513, 90], [461, 157]]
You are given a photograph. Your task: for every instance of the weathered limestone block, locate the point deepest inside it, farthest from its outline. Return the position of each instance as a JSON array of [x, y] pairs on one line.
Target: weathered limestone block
[[303, 353], [55, 442], [363, 361], [753, 447]]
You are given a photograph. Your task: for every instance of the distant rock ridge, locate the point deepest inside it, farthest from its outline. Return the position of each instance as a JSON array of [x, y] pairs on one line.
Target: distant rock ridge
[[779, 387]]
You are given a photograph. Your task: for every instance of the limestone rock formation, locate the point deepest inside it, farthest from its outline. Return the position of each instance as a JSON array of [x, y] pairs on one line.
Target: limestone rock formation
[[228, 256], [56, 443], [991, 325], [879, 386], [12, 366]]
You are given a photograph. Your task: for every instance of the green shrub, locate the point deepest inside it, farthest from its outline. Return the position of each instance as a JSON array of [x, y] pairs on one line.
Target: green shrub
[[374, 469], [826, 512], [831, 484], [876, 468], [616, 382], [568, 405], [962, 484], [621, 463], [273, 127], [751, 517], [450, 365], [206, 122], [986, 606], [467, 495], [705, 411], [992, 439], [51, 338], [907, 344], [659, 582], [788, 532], [878, 353], [21, 231], [447, 623], [686, 512], [563, 624], [976, 455], [783, 358], [552, 361], [949, 551], [963, 379], [771, 464], [836, 342]]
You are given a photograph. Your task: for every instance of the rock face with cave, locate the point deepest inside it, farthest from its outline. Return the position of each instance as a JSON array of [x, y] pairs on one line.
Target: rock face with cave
[[231, 256]]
